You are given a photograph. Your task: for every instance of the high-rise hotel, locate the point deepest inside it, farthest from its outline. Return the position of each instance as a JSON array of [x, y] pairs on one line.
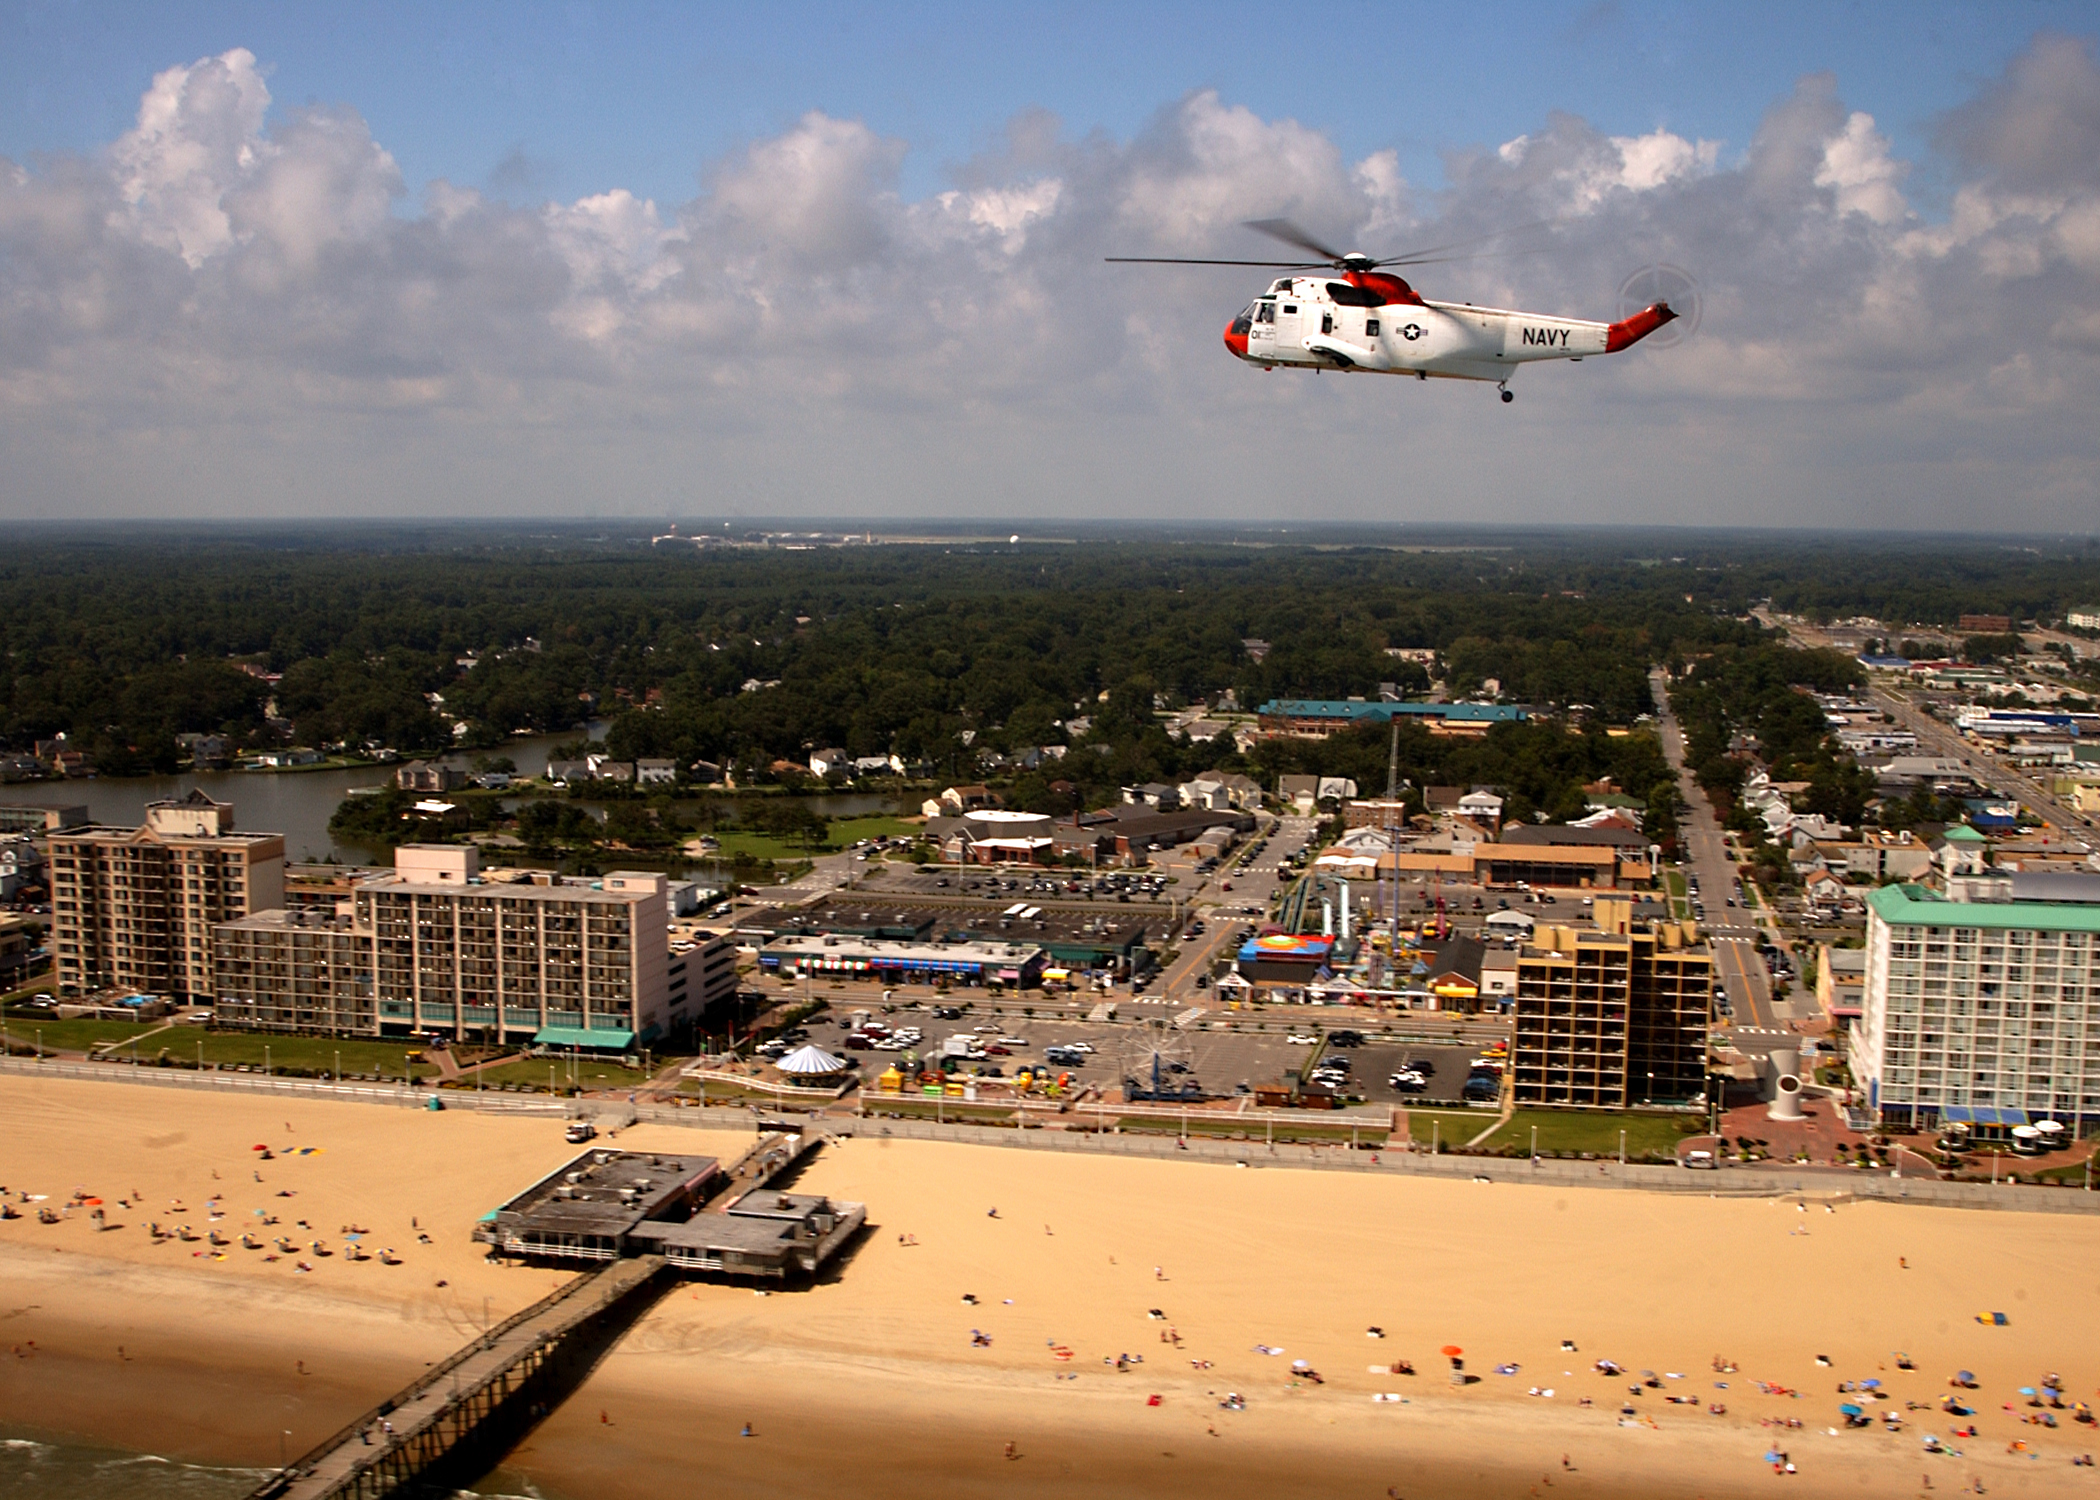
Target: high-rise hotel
[[1982, 1006]]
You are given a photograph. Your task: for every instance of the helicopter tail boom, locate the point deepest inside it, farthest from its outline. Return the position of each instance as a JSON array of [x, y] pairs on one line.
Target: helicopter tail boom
[[1630, 331]]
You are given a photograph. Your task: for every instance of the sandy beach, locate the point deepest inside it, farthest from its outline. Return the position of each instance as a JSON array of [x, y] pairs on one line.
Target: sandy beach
[[874, 1379]]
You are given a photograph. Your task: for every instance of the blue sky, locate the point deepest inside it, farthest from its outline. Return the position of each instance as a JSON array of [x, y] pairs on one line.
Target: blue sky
[[589, 259], [562, 100]]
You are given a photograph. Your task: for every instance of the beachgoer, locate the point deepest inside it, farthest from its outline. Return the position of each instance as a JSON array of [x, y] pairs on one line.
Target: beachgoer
[[746, 1432], [1012, 1452]]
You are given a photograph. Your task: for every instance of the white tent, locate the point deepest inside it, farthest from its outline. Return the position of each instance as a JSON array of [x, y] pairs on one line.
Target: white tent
[[810, 1062], [1511, 921]]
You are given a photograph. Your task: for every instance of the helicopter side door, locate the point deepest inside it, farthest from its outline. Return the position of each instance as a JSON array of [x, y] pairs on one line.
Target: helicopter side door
[[1295, 317]]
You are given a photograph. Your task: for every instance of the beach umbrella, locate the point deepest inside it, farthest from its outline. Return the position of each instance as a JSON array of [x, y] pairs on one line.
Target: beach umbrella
[[1451, 1349], [1772, 1456], [2027, 1390], [1872, 1385], [1851, 1411], [1965, 1377], [1301, 1364]]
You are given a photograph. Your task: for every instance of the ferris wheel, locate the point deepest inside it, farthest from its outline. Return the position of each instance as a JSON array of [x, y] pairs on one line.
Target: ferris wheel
[[1159, 1061]]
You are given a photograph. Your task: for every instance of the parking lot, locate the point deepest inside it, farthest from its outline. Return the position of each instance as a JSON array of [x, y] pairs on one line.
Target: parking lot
[[949, 883], [1375, 1062], [1219, 1060]]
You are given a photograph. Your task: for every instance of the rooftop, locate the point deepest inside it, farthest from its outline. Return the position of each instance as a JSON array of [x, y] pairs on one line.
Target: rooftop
[[1331, 708], [606, 1193], [1921, 906]]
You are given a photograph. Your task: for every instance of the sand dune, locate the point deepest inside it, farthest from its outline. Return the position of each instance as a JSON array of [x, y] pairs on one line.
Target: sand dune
[[872, 1379]]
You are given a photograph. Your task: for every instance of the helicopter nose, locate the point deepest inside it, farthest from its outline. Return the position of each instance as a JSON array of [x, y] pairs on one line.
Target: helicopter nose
[[1235, 340]]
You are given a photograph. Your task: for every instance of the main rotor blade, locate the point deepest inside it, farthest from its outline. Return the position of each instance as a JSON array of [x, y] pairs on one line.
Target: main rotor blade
[[1430, 255], [1181, 260], [1291, 234]]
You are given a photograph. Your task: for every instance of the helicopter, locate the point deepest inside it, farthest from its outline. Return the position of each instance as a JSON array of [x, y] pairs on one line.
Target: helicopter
[[1372, 322]]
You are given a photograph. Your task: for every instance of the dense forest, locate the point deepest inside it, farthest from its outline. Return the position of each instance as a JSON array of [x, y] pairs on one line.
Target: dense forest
[[123, 641]]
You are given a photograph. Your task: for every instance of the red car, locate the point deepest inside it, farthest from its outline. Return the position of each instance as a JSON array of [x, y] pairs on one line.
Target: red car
[[995, 1050]]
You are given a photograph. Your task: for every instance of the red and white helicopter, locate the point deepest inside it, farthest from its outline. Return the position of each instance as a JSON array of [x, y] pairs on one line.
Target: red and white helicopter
[[1373, 322]]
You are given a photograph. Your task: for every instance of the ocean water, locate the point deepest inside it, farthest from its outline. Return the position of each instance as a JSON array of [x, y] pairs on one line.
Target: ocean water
[[38, 1467], [33, 1467]]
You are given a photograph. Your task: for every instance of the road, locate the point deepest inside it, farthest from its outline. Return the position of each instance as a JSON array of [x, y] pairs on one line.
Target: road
[[1737, 965], [1224, 912], [1942, 740]]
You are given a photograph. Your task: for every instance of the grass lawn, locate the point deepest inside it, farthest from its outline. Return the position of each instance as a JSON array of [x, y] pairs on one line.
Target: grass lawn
[[918, 1106], [1311, 1129], [846, 831], [1451, 1127], [75, 1036], [1568, 1130], [316, 1054], [587, 1072], [762, 846]]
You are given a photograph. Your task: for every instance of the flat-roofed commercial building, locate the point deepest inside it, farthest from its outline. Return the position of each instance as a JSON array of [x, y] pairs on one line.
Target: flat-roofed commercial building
[[1612, 1017], [701, 975], [134, 908], [1019, 964], [566, 961], [1316, 718], [1982, 1006], [513, 956], [294, 971]]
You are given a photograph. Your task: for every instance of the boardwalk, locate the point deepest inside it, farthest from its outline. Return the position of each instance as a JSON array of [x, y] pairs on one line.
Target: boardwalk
[[460, 1416]]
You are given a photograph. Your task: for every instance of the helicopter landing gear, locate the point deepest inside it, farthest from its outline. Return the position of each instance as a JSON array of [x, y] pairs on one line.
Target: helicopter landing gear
[[1508, 394]]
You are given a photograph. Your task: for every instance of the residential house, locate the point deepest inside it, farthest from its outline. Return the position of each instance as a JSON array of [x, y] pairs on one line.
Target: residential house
[[648, 772], [428, 776], [957, 800], [1482, 807], [21, 865], [207, 751], [1153, 794], [824, 762]]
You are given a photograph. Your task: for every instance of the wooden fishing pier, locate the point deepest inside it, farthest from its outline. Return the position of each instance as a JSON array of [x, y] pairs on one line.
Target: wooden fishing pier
[[459, 1417], [462, 1415]]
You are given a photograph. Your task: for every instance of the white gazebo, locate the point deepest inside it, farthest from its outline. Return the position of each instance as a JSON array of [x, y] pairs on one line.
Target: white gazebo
[[811, 1062]]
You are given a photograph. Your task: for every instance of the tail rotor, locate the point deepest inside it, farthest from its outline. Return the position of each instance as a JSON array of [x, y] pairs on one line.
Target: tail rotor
[[1666, 283]]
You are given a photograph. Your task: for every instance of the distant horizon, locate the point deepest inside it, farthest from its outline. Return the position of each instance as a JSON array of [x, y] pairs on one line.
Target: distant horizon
[[997, 529]]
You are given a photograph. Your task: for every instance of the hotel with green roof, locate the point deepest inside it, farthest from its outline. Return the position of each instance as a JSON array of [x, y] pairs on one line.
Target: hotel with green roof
[[1982, 1006]]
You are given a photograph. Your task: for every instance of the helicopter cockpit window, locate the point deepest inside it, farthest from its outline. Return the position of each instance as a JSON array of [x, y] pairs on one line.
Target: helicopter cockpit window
[[1264, 312], [1245, 320]]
